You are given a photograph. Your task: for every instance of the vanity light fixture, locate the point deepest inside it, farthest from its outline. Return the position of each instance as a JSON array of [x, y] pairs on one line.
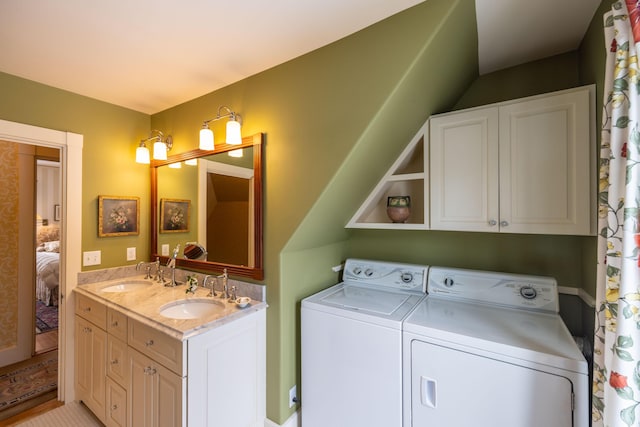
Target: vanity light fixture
[[161, 145], [234, 136]]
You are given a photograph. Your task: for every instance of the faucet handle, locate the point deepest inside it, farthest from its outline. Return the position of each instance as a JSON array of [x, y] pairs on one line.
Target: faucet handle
[[232, 295]]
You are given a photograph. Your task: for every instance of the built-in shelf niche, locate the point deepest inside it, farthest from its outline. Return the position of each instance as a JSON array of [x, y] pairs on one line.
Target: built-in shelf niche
[[406, 177]]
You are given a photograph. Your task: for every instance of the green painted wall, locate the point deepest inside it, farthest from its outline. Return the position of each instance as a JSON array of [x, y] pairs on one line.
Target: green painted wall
[[110, 136], [335, 120]]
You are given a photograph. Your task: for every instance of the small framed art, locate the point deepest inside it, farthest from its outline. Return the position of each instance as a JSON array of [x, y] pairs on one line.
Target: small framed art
[[174, 215], [118, 216]]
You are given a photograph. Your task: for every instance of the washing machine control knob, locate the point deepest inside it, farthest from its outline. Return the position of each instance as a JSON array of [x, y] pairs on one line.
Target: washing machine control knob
[[406, 277], [368, 272], [357, 271], [448, 282], [528, 292]]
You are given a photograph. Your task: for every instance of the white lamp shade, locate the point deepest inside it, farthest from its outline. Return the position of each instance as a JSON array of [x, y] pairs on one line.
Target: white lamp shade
[[233, 133], [142, 155], [176, 165], [191, 162], [235, 153], [206, 139], [159, 150]]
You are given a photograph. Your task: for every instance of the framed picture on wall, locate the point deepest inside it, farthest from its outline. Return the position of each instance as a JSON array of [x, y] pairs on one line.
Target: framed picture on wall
[[118, 216], [174, 215]]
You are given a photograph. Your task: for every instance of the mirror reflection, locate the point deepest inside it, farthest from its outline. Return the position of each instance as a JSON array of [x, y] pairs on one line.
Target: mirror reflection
[[220, 203]]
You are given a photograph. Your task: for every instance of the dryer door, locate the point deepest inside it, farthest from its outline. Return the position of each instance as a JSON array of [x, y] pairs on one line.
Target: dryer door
[[454, 388]]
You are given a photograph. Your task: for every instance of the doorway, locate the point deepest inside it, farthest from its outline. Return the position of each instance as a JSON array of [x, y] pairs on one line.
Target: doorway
[[47, 249]]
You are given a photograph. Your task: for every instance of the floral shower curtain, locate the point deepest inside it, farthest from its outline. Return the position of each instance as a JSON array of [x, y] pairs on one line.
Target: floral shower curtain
[[616, 370]]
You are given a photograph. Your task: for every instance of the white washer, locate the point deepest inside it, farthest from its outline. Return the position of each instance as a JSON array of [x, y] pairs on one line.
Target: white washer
[[352, 345], [489, 349]]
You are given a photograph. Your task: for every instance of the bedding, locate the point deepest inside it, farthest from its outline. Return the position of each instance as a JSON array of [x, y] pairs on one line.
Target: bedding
[[48, 264], [47, 277]]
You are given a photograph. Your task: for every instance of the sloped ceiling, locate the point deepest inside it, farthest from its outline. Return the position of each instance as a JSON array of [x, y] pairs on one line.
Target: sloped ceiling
[[149, 55]]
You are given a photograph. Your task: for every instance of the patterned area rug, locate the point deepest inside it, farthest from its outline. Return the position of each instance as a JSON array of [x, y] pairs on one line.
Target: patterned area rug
[[28, 379], [46, 317]]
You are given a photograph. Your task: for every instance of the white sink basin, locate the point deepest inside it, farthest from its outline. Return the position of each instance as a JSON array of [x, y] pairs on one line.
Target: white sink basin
[[128, 286], [191, 308]]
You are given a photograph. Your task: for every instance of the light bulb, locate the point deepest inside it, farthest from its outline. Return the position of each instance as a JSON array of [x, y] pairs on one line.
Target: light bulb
[[159, 150], [234, 137], [142, 155], [206, 139]]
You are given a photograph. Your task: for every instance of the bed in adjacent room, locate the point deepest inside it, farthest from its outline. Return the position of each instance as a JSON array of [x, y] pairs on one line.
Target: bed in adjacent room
[[48, 265]]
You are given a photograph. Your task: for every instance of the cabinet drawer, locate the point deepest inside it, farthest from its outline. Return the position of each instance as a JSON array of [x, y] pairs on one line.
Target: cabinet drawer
[[117, 367], [157, 345], [116, 404], [117, 324], [91, 310]]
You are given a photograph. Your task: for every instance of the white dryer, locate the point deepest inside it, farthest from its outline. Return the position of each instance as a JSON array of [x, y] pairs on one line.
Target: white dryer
[[352, 345], [490, 350]]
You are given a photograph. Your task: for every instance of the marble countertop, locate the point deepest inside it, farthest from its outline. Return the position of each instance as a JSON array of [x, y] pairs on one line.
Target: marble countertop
[[144, 305]]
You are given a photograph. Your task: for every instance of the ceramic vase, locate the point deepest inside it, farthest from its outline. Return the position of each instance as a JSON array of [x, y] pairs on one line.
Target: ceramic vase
[[398, 208]]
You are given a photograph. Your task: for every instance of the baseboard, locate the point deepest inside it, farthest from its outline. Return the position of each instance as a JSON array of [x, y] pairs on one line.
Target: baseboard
[[293, 421], [584, 296]]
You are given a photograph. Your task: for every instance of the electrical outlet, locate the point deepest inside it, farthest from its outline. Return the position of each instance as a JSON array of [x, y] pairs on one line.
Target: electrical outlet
[[293, 399], [91, 258], [131, 254], [165, 250]]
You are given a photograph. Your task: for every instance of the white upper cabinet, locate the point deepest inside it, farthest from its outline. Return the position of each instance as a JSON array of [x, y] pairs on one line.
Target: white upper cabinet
[[523, 166]]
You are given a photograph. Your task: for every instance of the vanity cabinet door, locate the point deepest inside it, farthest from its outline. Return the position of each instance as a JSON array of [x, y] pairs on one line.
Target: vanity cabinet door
[[116, 405], [117, 366], [155, 395], [227, 374], [91, 357]]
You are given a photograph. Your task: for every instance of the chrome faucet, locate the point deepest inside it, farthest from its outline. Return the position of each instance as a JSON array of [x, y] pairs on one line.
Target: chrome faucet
[[172, 266], [212, 292], [225, 278], [140, 264]]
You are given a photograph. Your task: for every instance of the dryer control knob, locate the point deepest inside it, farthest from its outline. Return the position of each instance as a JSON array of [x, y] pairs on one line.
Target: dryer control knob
[[406, 277], [357, 271], [528, 292], [368, 272], [448, 282]]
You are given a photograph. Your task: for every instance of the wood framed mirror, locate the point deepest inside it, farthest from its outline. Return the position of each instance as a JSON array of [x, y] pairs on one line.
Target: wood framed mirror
[[185, 208]]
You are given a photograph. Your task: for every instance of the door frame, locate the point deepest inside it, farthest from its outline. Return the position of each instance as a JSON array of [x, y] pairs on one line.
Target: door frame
[[70, 145]]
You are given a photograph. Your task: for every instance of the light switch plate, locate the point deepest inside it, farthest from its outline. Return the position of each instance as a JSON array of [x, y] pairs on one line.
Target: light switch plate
[[165, 250], [91, 258], [131, 254]]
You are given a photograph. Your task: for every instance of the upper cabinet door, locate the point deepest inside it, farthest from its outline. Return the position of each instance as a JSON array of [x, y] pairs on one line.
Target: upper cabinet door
[[464, 171], [522, 166], [545, 165]]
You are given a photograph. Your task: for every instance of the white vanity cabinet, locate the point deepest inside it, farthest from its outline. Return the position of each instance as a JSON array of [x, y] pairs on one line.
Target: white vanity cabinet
[[227, 380], [91, 354], [523, 166], [130, 373]]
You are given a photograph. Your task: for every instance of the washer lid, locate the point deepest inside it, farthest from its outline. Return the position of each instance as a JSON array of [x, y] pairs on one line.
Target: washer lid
[[368, 304], [366, 299], [538, 337]]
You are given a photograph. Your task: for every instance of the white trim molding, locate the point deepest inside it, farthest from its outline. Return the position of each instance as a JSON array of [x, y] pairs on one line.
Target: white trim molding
[[70, 145], [579, 292]]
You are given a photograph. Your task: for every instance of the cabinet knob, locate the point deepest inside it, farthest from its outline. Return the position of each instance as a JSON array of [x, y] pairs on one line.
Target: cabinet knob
[[114, 407], [503, 223], [149, 370], [114, 362], [86, 329], [149, 343], [493, 222], [114, 323], [87, 309]]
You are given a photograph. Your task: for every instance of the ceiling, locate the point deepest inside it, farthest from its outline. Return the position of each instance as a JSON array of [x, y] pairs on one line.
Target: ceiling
[[149, 55]]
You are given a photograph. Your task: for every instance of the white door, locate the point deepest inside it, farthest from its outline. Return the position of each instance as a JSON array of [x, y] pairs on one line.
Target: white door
[[452, 388], [464, 171]]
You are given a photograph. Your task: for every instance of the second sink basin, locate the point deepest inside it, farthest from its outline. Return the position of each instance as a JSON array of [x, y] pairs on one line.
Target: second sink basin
[[191, 308], [132, 285]]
